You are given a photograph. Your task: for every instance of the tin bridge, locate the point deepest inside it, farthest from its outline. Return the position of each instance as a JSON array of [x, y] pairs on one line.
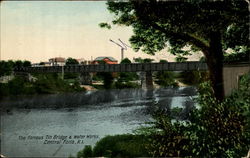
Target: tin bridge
[[231, 72], [133, 67]]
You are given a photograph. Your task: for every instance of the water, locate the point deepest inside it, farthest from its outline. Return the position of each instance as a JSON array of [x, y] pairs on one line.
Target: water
[[28, 129]]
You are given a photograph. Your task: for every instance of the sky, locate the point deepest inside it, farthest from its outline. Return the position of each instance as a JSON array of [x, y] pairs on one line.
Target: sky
[[39, 30]]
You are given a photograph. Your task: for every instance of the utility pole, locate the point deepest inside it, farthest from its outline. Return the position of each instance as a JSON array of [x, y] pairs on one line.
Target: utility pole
[[123, 47]]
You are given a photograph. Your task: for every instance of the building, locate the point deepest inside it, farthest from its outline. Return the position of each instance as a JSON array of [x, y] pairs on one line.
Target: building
[[57, 61], [82, 61], [107, 60]]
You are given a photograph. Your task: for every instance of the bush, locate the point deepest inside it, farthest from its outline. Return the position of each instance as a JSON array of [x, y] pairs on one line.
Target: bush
[[122, 85], [166, 79], [5, 68], [215, 129], [16, 86], [86, 152], [166, 139], [193, 77], [126, 145], [45, 84], [69, 75], [4, 89]]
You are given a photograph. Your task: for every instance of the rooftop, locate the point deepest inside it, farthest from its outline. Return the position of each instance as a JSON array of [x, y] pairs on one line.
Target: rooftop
[[58, 59], [101, 58]]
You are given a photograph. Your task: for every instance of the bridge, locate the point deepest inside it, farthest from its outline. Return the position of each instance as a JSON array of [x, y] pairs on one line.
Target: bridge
[[231, 72], [133, 67]]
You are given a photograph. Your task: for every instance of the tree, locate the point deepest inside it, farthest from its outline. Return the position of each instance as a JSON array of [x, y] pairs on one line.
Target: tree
[[127, 76], [71, 61], [42, 63], [6, 67], [238, 54], [205, 26], [126, 61], [180, 59], [166, 78], [146, 60], [26, 63], [18, 63]]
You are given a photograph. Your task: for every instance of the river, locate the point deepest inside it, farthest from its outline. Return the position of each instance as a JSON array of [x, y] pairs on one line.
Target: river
[[61, 124]]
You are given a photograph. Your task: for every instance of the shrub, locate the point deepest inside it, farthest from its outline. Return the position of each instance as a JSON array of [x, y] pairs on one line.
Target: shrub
[[126, 145], [193, 77], [215, 129], [166, 78], [4, 89], [122, 85], [86, 152]]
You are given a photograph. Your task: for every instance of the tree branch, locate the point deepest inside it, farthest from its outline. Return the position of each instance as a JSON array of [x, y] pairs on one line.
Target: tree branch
[[184, 36]]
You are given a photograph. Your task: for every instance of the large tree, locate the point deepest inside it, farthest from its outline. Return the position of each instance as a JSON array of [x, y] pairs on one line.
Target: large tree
[[207, 26]]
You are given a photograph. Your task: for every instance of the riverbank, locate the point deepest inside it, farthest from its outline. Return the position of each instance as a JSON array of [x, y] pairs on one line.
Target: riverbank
[[44, 84]]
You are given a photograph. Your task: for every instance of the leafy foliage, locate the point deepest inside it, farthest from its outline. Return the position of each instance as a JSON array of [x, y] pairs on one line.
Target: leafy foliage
[[126, 61], [86, 152], [26, 63], [107, 78], [44, 84], [128, 84], [71, 61], [193, 77], [126, 145], [157, 22], [127, 76], [166, 78], [215, 129], [180, 58], [18, 63], [240, 54], [6, 67], [123, 81], [105, 25], [146, 60]]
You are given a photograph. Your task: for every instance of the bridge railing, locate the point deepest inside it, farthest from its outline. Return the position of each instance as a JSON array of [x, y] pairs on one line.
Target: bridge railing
[[133, 67]]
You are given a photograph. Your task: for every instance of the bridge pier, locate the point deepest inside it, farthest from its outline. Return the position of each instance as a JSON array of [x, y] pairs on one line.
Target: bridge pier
[[231, 76], [146, 80], [149, 80], [85, 78]]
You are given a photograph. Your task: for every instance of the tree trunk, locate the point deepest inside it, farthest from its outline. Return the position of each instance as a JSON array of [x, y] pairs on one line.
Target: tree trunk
[[215, 65]]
